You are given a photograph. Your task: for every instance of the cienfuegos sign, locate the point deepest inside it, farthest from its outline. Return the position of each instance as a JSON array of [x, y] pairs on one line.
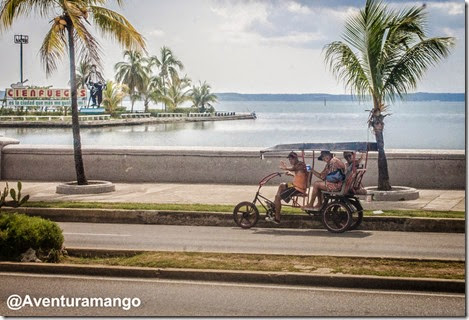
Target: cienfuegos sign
[[43, 93], [43, 97]]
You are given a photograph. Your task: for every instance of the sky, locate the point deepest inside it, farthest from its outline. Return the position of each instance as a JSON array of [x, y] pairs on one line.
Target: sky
[[265, 46]]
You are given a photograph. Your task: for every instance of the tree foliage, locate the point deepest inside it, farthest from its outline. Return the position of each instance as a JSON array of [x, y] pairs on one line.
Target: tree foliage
[[383, 54]]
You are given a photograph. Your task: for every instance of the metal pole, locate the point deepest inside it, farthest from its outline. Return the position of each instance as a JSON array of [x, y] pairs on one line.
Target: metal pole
[[21, 39], [21, 61]]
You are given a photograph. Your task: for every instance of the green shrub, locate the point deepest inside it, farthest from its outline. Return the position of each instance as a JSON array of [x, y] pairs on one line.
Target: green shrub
[[19, 232]]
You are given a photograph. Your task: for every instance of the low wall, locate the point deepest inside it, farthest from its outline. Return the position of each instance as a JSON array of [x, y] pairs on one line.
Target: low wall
[[419, 169]]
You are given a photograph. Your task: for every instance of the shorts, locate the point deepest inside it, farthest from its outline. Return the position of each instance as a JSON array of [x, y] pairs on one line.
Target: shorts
[[289, 193]]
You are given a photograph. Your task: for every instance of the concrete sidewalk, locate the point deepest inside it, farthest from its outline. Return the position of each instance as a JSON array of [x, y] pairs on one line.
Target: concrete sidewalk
[[438, 200]]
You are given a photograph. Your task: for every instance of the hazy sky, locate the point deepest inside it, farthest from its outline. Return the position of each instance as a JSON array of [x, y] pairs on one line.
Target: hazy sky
[[268, 46]]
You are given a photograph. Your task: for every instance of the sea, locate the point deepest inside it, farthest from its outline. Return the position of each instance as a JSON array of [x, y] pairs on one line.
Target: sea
[[436, 125]]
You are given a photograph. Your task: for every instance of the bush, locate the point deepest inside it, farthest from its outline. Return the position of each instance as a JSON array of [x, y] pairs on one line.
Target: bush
[[19, 232]]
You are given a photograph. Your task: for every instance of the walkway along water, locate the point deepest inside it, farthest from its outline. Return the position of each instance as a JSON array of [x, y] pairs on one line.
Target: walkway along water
[[23, 122]]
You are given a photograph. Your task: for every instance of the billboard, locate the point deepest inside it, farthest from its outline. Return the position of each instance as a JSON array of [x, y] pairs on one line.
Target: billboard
[[42, 93], [42, 97]]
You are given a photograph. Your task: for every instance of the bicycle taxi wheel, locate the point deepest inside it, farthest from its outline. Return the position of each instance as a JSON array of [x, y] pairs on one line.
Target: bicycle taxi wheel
[[357, 213], [337, 217], [246, 215]]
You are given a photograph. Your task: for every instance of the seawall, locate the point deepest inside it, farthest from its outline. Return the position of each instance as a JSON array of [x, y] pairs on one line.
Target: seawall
[[414, 168]]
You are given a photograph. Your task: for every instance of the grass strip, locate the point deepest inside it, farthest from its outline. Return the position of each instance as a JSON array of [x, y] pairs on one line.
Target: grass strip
[[226, 208], [285, 263]]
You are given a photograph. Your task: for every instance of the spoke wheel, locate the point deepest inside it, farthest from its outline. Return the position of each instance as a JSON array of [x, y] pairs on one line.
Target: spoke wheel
[[337, 217], [246, 215]]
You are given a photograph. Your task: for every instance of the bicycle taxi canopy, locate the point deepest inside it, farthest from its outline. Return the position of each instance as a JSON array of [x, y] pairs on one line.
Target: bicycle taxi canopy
[[334, 146]]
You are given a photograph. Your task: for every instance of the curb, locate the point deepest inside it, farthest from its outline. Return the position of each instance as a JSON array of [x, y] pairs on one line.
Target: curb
[[199, 218], [283, 278]]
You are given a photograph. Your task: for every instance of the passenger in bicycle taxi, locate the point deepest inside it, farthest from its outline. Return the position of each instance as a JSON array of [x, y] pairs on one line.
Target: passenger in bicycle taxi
[[327, 183], [348, 156], [286, 191]]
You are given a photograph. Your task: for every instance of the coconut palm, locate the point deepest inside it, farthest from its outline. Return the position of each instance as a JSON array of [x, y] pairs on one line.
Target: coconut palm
[[202, 98], [132, 73], [177, 93], [168, 66], [113, 95], [70, 29], [382, 56]]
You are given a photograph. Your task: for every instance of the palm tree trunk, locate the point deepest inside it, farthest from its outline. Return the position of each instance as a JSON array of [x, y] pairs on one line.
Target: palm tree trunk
[[383, 175], [79, 167], [164, 92]]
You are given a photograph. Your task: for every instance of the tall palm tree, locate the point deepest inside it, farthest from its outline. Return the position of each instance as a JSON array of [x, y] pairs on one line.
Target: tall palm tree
[[167, 64], [382, 56], [132, 73], [177, 93], [69, 30], [201, 97]]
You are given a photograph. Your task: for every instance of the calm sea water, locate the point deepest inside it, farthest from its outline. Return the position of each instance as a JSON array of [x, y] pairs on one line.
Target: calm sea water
[[411, 125]]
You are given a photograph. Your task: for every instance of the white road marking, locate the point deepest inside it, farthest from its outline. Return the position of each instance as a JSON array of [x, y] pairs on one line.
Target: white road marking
[[243, 285]]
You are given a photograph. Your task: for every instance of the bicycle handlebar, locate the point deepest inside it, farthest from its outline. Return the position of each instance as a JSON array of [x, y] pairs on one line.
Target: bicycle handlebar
[[269, 177]]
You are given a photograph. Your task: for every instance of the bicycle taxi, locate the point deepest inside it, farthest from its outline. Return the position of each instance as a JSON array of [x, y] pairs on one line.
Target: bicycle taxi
[[340, 211]]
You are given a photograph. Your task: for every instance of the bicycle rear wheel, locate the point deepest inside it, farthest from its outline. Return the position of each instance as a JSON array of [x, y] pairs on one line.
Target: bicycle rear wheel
[[337, 217]]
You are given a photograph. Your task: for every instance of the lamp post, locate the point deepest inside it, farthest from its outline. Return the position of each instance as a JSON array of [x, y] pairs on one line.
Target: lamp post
[[21, 39]]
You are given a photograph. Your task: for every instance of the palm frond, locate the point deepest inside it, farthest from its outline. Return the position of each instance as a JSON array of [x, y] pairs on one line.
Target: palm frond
[[117, 27], [412, 65], [12, 9], [53, 48], [345, 65]]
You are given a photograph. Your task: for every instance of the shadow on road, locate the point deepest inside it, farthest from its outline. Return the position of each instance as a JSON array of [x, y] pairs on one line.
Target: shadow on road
[[314, 233]]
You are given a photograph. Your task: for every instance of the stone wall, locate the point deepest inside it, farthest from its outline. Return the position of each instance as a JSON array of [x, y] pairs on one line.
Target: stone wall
[[414, 168]]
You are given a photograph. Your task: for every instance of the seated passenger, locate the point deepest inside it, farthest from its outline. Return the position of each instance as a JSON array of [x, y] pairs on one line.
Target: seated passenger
[[288, 190], [349, 167], [333, 164]]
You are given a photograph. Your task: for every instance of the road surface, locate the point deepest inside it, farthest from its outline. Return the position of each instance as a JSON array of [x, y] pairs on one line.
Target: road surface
[[265, 240], [186, 298]]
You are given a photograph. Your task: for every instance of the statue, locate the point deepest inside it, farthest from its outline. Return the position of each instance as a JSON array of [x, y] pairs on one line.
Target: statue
[[96, 84]]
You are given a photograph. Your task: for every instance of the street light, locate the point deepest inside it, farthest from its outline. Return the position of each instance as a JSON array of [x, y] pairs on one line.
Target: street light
[[21, 39]]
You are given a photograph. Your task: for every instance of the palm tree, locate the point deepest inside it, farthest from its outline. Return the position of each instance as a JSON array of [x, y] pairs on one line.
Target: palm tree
[[201, 97], [167, 64], [113, 95], [178, 92], [82, 71], [382, 56], [132, 73], [68, 30], [150, 90]]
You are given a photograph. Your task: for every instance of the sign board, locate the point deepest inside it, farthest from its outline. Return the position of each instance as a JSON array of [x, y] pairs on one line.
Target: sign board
[[49, 98], [42, 93]]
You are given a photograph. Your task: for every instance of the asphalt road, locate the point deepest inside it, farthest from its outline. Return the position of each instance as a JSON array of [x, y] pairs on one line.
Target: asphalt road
[[262, 240], [186, 298]]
